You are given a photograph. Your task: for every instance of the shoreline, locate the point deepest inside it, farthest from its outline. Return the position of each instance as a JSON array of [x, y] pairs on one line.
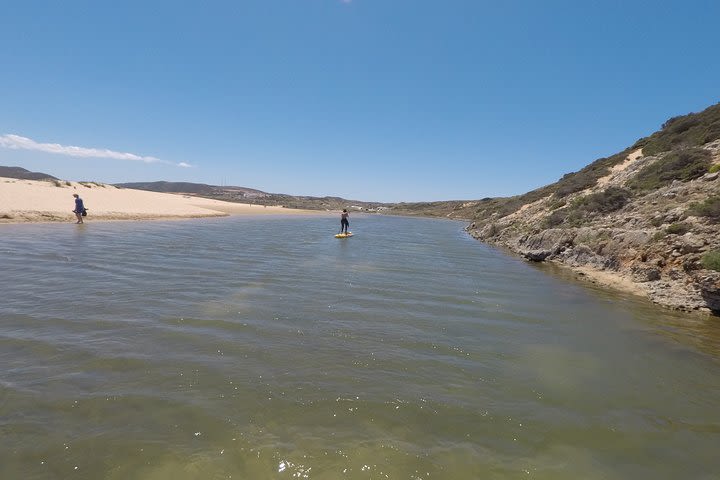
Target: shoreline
[[41, 201], [663, 294], [44, 218], [612, 280], [620, 283]]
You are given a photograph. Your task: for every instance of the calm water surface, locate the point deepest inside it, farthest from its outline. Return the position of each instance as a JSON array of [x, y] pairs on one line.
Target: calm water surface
[[263, 348]]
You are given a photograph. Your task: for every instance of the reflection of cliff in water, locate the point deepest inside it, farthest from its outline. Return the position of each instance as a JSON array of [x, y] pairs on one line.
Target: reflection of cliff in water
[[695, 330]]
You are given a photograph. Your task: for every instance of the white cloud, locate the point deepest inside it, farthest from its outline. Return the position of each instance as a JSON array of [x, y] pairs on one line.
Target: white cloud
[[16, 142]]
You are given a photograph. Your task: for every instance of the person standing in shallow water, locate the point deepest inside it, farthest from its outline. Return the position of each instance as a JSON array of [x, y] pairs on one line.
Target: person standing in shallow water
[[79, 207], [344, 223]]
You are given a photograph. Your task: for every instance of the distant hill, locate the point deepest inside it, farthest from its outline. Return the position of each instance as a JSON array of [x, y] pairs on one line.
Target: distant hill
[[21, 173], [257, 197], [170, 187], [649, 214]]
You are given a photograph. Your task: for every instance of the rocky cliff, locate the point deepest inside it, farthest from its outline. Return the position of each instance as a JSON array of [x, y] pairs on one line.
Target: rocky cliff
[[647, 217]]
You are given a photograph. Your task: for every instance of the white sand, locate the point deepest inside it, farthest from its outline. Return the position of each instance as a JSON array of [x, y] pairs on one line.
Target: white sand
[[44, 201], [612, 280]]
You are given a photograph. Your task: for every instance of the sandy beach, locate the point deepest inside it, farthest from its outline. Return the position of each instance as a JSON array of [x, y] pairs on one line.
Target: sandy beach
[[24, 201]]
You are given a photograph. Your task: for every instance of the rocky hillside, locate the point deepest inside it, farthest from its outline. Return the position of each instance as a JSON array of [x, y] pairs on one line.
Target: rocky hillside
[[649, 215]]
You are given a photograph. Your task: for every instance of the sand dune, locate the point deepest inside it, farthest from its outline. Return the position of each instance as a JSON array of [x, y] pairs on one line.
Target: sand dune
[[48, 201]]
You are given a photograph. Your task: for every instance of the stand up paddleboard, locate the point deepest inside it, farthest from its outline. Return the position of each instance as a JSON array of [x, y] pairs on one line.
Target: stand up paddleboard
[[343, 235]]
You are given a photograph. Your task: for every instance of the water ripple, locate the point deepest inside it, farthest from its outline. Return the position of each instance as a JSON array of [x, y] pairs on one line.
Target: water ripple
[[258, 348]]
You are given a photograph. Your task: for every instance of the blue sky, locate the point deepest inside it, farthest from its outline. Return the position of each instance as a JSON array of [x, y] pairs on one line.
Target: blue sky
[[385, 100]]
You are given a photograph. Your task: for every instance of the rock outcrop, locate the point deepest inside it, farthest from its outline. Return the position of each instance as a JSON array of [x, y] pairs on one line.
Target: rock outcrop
[[646, 218], [656, 239]]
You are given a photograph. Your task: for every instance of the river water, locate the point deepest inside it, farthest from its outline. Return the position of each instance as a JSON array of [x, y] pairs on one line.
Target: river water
[[263, 348]]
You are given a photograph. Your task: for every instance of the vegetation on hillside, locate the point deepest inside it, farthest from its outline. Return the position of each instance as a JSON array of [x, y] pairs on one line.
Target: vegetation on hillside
[[678, 228], [682, 165], [709, 209], [606, 201], [711, 260], [678, 141], [685, 131], [588, 176]]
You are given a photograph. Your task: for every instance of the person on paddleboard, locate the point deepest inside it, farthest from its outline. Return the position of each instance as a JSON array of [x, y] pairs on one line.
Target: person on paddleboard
[[344, 223]]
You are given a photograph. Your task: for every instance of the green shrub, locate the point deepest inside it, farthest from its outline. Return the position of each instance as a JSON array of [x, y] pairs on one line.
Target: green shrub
[[572, 183], [659, 235], [588, 176], [555, 219], [683, 165], [714, 168], [508, 205], [678, 228], [710, 209], [557, 204], [691, 130], [609, 200], [711, 260], [712, 133], [656, 221]]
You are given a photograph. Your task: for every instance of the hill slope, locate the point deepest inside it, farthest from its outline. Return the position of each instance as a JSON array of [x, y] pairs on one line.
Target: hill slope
[[23, 174], [252, 196], [169, 187], [649, 215]]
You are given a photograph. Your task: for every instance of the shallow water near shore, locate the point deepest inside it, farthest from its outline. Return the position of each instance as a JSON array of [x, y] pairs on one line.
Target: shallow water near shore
[[266, 348]]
